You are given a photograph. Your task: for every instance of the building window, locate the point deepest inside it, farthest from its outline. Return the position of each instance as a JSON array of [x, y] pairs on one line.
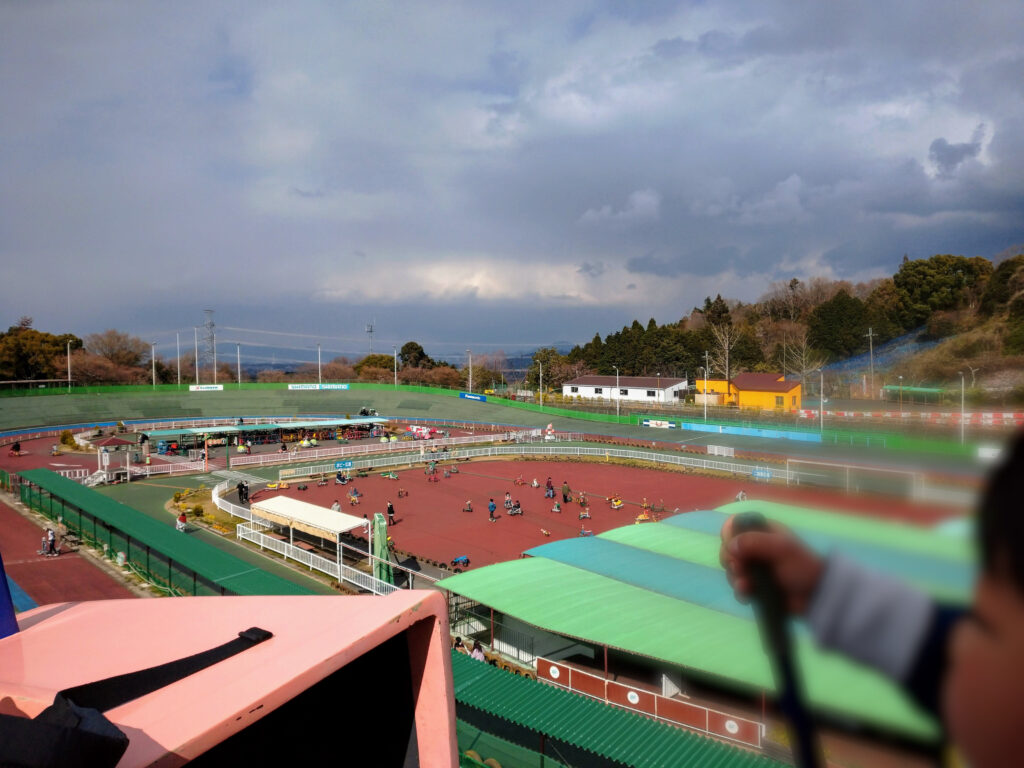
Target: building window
[[650, 393], [779, 401], [598, 390], [624, 392], [574, 389], [794, 401]]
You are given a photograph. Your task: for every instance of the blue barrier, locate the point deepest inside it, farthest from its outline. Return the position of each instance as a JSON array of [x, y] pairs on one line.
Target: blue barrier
[[471, 396], [776, 434]]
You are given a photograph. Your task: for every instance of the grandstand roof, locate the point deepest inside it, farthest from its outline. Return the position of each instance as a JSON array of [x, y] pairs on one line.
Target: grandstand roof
[[612, 733], [657, 590]]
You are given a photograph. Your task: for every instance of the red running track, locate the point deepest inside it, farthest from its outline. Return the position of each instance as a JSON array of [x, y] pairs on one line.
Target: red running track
[[430, 522], [66, 578]]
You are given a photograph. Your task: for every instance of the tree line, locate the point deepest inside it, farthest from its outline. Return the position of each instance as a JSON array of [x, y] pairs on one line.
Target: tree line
[[795, 327]]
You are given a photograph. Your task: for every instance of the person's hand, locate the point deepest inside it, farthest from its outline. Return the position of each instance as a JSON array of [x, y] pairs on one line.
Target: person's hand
[[796, 568]]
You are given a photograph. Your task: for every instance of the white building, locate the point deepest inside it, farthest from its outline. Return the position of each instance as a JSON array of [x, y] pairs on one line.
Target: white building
[[647, 389]]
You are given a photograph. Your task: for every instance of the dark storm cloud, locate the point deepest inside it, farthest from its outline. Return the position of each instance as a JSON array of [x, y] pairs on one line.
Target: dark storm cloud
[[948, 156]]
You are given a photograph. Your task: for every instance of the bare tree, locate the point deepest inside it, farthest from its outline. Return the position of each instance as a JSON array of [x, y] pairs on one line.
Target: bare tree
[[725, 336], [800, 357], [119, 348]]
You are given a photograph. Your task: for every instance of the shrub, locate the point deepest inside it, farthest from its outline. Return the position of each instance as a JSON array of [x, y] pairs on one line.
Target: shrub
[[66, 438], [197, 510], [177, 496]]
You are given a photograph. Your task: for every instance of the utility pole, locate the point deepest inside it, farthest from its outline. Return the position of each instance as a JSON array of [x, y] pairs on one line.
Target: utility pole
[[177, 346], [541, 384], [468, 352], [152, 360], [394, 349], [195, 329], [871, 348], [369, 332], [238, 362], [69, 367], [618, 392], [319, 377]]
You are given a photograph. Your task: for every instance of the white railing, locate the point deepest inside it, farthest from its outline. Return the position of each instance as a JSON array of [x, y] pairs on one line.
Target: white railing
[[74, 474], [382, 462], [253, 532], [170, 468], [223, 504], [345, 451]]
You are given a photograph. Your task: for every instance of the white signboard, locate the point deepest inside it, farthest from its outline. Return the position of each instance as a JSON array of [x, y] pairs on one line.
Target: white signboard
[[205, 387], [318, 386]]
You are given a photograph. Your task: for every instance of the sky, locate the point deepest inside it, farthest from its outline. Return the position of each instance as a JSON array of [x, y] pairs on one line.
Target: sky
[[488, 175]]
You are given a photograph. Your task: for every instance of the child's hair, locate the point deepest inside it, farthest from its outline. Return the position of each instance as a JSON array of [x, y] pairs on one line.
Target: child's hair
[[1000, 522]]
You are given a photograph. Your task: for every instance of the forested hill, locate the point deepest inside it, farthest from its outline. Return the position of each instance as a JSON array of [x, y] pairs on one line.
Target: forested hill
[[797, 327]]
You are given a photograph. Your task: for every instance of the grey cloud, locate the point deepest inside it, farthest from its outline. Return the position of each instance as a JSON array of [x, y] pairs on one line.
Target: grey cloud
[[672, 48], [948, 156], [591, 270], [651, 264]]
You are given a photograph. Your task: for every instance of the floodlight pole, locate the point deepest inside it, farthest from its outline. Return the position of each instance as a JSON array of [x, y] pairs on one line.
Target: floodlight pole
[[962, 425], [152, 360], [319, 377], [702, 368], [394, 349], [618, 392], [238, 362], [177, 346], [470, 353], [195, 329], [69, 367], [901, 395], [821, 401], [541, 386], [871, 348]]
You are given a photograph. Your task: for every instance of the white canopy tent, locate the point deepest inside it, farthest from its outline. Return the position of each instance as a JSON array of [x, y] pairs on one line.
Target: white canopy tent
[[311, 519]]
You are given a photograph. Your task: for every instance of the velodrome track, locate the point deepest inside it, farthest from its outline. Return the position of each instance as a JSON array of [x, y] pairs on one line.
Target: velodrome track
[[142, 403]]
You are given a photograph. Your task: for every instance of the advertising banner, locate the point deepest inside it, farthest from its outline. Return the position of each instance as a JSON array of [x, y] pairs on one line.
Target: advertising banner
[[472, 396], [205, 387]]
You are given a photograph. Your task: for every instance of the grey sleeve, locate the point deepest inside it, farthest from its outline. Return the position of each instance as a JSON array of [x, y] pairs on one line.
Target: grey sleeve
[[876, 620]]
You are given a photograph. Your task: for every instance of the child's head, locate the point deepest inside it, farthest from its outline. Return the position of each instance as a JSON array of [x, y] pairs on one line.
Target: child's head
[[984, 693]]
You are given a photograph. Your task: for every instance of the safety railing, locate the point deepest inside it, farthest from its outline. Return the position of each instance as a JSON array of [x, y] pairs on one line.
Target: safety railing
[[345, 451], [221, 503], [382, 462], [253, 532]]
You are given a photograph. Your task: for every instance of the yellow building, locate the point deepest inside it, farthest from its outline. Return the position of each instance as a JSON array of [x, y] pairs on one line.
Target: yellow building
[[763, 391]]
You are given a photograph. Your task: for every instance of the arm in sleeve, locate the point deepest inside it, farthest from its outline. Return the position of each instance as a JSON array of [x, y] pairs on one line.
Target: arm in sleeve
[[884, 624]]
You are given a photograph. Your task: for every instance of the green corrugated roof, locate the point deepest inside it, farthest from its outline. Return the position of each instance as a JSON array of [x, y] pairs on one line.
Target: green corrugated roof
[[607, 731], [912, 538], [584, 605], [219, 567]]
